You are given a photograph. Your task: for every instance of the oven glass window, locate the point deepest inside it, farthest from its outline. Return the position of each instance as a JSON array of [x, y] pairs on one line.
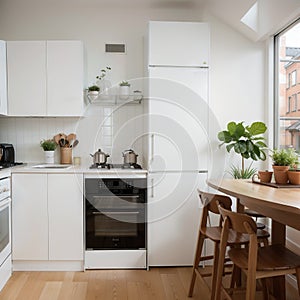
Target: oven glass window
[[109, 224], [4, 228]]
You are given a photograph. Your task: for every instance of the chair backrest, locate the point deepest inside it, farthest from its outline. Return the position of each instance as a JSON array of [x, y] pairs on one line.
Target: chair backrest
[[241, 223], [210, 203]]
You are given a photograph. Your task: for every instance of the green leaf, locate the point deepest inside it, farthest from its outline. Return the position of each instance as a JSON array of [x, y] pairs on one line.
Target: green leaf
[[249, 145], [224, 136], [239, 131], [240, 147], [231, 127], [257, 128], [229, 147]]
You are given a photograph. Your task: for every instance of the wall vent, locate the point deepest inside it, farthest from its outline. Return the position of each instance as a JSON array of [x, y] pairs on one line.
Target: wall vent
[[115, 48]]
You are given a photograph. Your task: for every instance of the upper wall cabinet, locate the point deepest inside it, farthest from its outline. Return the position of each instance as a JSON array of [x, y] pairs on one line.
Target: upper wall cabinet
[[45, 78], [168, 40], [3, 79]]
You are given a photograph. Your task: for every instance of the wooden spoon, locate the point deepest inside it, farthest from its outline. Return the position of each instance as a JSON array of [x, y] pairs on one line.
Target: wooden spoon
[[71, 137], [56, 138]]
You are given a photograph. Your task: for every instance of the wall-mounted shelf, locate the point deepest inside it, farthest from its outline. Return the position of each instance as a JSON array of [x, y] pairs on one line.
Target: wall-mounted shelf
[[102, 99]]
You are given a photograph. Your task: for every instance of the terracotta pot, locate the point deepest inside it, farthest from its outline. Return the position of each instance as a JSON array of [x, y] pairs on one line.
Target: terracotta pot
[[265, 176], [280, 174], [294, 176]]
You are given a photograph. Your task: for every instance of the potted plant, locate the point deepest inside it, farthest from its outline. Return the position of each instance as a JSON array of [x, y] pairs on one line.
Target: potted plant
[[283, 159], [49, 147], [246, 141], [103, 83], [124, 89], [93, 91]]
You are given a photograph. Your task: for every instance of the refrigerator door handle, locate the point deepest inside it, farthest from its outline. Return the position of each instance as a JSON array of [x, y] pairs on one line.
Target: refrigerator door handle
[[152, 147], [152, 188]]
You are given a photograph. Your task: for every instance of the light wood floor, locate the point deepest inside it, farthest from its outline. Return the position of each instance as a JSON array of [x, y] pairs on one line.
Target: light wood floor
[[156, 284]]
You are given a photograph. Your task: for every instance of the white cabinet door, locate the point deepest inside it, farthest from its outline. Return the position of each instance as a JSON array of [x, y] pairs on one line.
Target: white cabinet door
[[26, 70], [178, 119], [173, 217], [29, 217], [3, 79], [178, 43], [65, 205], [64, 78]]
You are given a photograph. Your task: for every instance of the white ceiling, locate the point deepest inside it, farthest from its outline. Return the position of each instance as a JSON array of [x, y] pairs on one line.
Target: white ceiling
[[272, 14]]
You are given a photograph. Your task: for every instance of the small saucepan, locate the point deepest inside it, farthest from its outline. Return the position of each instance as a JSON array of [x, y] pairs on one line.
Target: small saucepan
[[129, 157], [99, 157]]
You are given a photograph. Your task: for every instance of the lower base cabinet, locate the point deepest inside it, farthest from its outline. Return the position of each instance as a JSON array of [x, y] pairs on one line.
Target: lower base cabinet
[[174, 212], [47, 217]]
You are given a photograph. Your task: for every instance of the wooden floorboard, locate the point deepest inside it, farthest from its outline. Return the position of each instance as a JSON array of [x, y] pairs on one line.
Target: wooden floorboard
[[156, 284]]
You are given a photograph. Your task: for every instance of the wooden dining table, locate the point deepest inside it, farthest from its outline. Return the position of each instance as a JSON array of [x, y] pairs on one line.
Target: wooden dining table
[[281, 204]]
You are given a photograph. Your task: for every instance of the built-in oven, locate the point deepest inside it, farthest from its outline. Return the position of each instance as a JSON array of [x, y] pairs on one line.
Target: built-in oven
[[115, 213], [5, 231]]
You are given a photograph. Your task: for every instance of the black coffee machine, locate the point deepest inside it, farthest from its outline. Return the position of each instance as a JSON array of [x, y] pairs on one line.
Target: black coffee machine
[[8, 154]]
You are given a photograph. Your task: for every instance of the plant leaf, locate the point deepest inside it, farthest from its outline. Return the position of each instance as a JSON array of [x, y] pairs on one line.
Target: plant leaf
[[240, 147], [224, 136], [231, 127], [257, 128]]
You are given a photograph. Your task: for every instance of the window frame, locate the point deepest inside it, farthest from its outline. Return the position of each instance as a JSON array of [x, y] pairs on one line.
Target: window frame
[[276, 83]]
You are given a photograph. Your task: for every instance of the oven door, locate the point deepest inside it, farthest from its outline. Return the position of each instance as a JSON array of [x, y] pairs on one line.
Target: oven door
[[5, 229], [115, 222]]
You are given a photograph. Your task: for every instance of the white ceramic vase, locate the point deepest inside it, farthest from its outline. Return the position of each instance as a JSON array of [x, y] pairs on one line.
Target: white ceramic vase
[[49, 157]]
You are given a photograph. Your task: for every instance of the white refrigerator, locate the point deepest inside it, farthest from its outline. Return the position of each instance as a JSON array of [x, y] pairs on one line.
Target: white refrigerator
[[178, 146]]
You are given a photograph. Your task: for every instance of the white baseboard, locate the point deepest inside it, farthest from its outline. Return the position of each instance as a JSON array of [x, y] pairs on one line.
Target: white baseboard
[[30, 265]]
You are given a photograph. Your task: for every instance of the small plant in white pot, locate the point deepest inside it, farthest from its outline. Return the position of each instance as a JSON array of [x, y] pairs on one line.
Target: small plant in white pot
[[49, 147], [93, 91], [124, 89]]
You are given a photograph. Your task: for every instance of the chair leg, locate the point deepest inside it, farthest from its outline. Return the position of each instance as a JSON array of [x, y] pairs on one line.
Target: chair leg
[[197, 258], [215, 270], [298, 279], [235, 277], [265, 288]]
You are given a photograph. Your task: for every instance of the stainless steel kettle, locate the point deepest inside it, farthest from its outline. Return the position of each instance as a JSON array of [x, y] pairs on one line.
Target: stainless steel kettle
[[129, 157], [99, 157]]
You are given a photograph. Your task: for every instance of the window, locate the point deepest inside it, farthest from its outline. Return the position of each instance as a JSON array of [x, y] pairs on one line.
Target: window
[[293, 78], [287, 91]]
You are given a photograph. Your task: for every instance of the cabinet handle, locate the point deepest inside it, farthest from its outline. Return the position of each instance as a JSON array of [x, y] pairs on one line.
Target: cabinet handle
[[115, 212], [152, 188]]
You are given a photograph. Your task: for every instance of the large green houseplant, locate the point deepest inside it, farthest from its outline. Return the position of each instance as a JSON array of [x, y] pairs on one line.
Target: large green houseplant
[[246, 141]]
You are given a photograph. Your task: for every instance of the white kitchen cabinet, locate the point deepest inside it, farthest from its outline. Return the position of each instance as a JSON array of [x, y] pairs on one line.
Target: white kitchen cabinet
[[64, 78], [65, 209], [29, 217], [47, 217], [174, 214], [3, 79], [45, 78], [170, 41], [26, 71]]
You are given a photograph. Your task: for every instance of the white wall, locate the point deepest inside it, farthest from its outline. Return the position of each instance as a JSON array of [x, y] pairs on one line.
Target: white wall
[[237, 81], [237, 64]]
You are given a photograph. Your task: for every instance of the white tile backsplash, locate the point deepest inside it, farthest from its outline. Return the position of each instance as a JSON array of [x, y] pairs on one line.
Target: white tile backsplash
[[113, 129]]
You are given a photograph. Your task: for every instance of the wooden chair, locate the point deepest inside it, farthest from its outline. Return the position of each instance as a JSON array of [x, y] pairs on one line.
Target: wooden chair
[[255, 262], [210, 205], [256, 215]]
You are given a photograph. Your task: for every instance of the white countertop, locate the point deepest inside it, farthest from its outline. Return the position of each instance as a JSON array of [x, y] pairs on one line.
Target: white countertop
[[81, 169]]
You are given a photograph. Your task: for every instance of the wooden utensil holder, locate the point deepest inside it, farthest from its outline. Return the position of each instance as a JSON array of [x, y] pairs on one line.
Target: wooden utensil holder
[[66, 155]]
